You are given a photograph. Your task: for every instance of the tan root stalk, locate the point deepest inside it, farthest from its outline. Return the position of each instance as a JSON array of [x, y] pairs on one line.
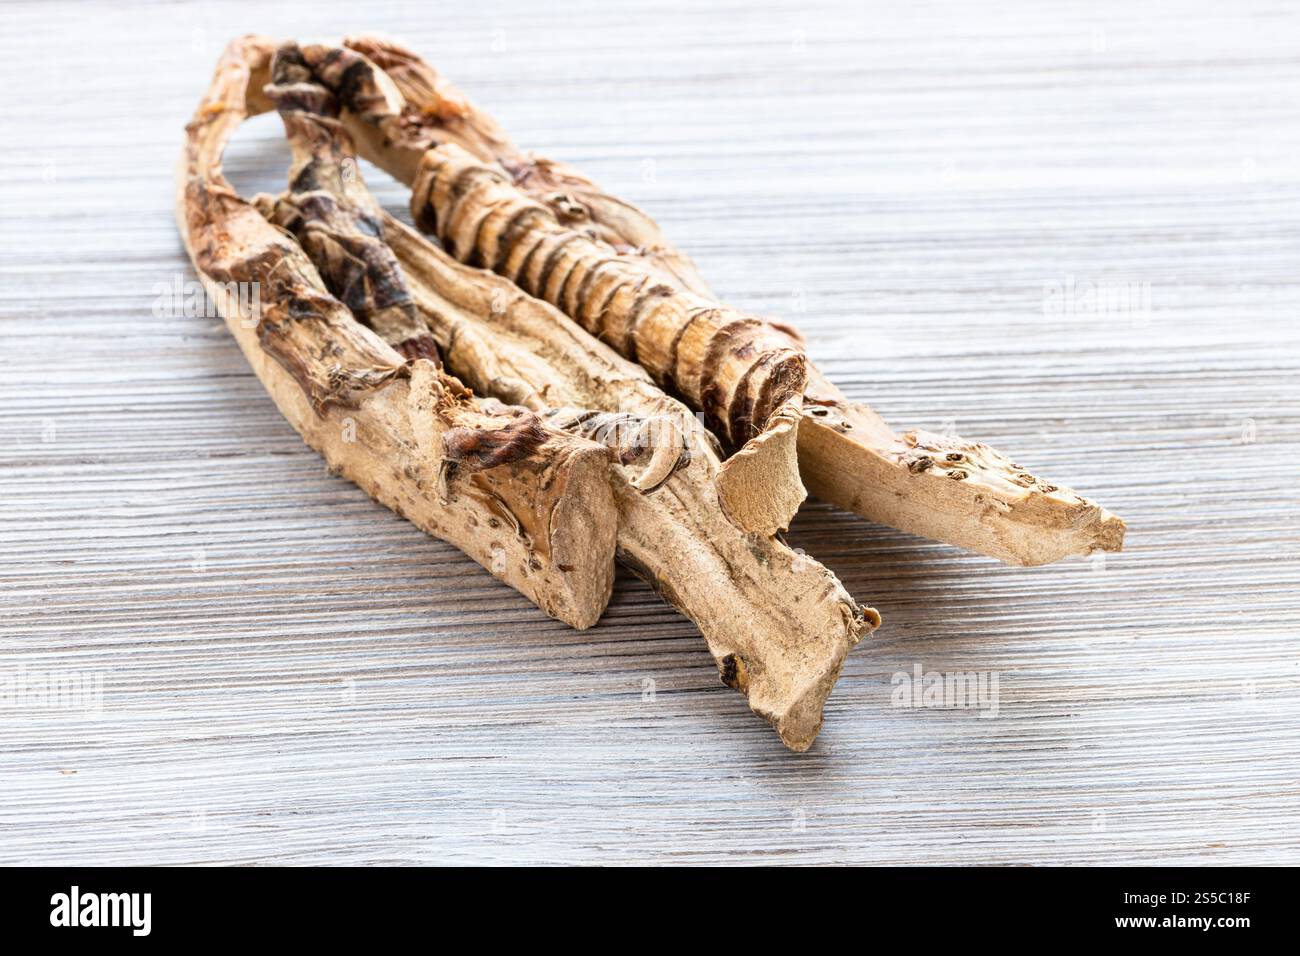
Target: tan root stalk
[[606, 264], [528, 501], [778, 624]]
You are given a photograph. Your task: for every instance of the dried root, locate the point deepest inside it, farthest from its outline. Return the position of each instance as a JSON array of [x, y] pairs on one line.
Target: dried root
[[530, 502], [943, 487], [745, 375], [778, 624], [606, 264], [417, 109], [741, 373]]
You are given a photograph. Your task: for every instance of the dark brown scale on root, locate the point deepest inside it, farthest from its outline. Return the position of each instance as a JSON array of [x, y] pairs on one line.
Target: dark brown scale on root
[[461, 186], [784, 383], [479, 448], [670, 375], [597, 320], [774, 377], [742, 406], [351, 78], [518, 226], [573, 298], [637, 439], [713, 394], [548, 268], [422, 347]]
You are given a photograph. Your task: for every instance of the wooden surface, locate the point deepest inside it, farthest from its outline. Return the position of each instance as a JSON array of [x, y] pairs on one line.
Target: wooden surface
[[292, 674]]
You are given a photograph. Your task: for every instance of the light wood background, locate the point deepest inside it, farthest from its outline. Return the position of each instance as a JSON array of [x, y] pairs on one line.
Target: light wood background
[[292, 674]]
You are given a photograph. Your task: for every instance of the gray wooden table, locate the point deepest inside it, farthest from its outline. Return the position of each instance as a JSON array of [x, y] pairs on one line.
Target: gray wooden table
[[1068, 230]]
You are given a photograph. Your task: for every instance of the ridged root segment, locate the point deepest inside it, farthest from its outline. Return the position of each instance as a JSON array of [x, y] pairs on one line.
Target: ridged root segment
[[333, 216], [732, 367], [531, 503], [743, 374], [416, 108], [847, 454]]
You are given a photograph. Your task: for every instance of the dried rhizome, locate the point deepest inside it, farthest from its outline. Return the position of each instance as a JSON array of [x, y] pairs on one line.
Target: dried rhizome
[[524, 384]]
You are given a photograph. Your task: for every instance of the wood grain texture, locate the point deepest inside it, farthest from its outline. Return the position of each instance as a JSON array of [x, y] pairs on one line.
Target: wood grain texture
[[292, 674]]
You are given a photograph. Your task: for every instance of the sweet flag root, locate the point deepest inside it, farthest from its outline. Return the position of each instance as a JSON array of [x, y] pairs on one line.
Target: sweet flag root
[[510, 388], [777, 623], [607, 265], [746, 376], [432, 103]]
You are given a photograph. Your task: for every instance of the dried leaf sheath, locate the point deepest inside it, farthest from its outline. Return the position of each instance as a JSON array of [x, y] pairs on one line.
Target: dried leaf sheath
[[538, 512], [847, 454], [779, 625]]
